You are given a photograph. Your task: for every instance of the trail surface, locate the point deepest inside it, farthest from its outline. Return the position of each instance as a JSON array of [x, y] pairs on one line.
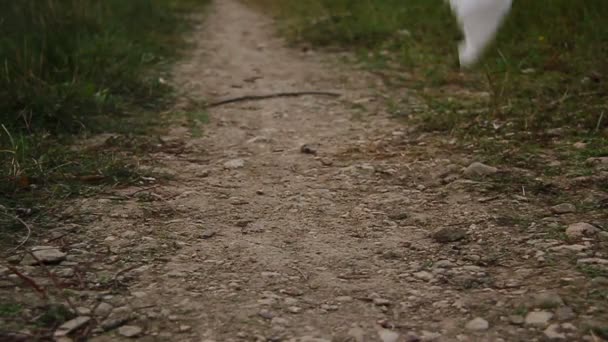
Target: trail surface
[[315, 218]]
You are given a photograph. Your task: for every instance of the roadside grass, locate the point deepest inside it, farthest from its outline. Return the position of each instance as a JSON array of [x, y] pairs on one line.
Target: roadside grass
[[72, 69], [540, 88], [546, 71]]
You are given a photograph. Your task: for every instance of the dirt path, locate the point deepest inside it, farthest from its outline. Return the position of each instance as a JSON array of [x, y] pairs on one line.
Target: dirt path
[[256, 240]]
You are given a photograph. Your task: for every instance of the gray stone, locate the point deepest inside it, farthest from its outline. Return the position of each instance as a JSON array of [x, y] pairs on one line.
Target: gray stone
[[564, 313], [538, 318], [577, 231], [279, 321], [547, 300], [64, 272], [45, 255], [103, 309], [592, 261], [599, 161], [477, 169], [553, 332], [308, 149], [516, 319], [444, 264], [388, 335], [382, 301], [429, 336], [130, 331], [477, 324], [423, 275], [449, 234], [71, 326], [294, 309], [563, 208], [265, 313], [234, 164], [357, 334]]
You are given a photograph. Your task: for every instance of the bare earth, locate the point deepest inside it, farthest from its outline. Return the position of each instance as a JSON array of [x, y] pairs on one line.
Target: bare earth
[[257, 238]]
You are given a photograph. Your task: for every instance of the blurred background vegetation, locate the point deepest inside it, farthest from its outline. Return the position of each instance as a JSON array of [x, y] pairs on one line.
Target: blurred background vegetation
[[547, 68], [73, 67]]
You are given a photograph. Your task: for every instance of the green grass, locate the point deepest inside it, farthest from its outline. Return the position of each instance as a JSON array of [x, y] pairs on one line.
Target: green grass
[[9, 309], [69, 69], [546, 70], [66, 64]]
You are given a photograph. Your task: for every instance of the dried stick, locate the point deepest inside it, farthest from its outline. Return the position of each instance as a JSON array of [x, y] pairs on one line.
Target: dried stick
[[270, 96]]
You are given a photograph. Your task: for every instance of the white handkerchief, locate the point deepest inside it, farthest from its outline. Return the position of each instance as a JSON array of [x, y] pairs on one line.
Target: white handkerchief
[[479, 20]]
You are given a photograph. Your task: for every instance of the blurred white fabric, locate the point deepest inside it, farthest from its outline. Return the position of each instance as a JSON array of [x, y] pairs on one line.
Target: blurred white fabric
[[479, 20]]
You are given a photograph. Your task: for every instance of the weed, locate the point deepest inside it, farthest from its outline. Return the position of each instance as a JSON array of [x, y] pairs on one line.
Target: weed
[[544, 72], [8, 310], [69, 69]]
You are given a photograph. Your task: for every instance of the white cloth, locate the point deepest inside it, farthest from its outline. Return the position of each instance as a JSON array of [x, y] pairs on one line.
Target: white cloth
[[479, 20]]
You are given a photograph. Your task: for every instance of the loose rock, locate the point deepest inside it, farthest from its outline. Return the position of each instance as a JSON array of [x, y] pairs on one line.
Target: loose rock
[[45, 255], [130, 331], [478, 169], [580, 230], [308, 149], [388, 335], [516, 319], [423, 275], [357, 334], [538, 318], [234, 164], [564, 313], [449, 234], [563, 208], [71, 326], [478, 324], [547, 300], [103, 309], [553, 332]]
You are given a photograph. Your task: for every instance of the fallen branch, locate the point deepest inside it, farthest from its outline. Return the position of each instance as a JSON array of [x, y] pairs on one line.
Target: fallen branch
[[54, 280], [31, 282], [270, 96]]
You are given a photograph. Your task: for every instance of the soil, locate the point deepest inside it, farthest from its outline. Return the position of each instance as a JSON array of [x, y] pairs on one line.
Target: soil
[[321, 218]]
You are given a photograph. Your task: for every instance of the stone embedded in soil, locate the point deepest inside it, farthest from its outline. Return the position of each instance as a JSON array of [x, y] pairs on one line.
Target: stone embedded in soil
[[516, 319], [538, 318], [267, 314], [103, 309], [547, 300], [597, 161], [294, 309], [553, 332], [71, 325], [449, 234], [130, 331], [45, 255], [577, 231], [234, 164], [423, 275], [208, 234], [356, 334], [563, 208], [564, 313], [477, 324], [388, 335], [382, 301], [477, 169], [308, 149]]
